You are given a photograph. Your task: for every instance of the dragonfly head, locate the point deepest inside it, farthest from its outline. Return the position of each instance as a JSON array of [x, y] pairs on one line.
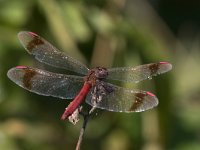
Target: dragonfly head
[[101, 73]]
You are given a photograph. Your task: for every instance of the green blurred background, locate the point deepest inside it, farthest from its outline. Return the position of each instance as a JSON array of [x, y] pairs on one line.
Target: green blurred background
[[107, 33]]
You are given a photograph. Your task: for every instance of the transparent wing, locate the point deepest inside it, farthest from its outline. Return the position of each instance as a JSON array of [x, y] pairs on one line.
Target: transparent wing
[[46, 53], [119, 99], [46, 83], [139, 73]]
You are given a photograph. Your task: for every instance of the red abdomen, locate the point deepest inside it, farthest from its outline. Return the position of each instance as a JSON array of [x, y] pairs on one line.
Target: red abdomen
[[77, 101]]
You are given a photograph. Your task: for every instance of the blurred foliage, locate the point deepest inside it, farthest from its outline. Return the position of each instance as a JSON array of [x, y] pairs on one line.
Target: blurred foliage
[[105, 33]]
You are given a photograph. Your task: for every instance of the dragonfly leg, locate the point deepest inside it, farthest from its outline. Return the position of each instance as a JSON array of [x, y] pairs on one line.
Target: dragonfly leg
[[94, 96], [97, 94]]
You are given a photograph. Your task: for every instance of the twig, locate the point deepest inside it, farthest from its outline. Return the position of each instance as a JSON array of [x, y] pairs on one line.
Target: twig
[[82, 131]]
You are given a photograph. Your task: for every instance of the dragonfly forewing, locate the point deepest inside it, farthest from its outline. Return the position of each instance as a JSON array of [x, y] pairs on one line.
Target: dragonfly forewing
[[46, 53], [46, 83], [139, 73], [119, 99]]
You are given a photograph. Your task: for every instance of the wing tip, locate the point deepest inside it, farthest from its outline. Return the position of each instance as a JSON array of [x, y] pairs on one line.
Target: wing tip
[[10, 73], [165, 66], [150, 103], [23, 38], [153, 100], [14, 70], [21, 33], [29, 40]]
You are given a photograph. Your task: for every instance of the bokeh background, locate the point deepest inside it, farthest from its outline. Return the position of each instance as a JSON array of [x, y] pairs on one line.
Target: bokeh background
[[107, 33]]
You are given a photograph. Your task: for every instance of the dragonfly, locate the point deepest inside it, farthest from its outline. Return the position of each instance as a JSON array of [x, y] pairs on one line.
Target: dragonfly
[[90, 85]]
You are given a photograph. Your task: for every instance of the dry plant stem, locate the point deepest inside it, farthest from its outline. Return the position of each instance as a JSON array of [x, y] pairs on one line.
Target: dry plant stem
[[82, 131]]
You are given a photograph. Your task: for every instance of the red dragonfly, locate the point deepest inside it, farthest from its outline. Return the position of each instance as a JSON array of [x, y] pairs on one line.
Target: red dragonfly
[[91, 85]]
